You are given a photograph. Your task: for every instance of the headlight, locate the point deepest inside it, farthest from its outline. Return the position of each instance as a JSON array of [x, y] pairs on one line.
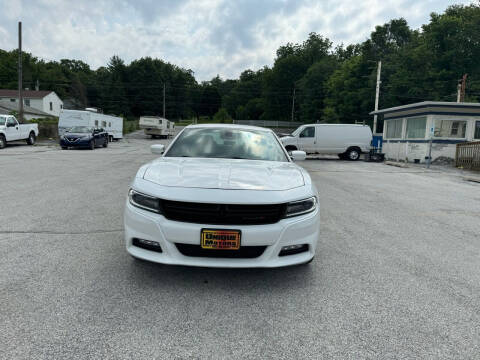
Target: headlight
[[143, 201], [301, 207]]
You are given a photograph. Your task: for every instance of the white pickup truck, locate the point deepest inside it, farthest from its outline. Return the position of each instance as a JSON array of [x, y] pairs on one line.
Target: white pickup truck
[[11, 130]]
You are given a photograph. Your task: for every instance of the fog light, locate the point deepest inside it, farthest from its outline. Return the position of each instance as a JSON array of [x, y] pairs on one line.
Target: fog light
[[147, 244], [293, 249]]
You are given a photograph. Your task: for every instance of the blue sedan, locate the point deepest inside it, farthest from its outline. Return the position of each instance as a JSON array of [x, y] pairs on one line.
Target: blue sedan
[[84, 137]]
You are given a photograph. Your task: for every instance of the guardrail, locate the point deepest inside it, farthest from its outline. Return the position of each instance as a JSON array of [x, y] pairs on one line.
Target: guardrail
[[269, 123], [468, 155]]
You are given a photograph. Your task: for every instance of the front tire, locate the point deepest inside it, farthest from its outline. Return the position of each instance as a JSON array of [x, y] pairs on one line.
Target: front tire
[[31, 138], [353, 154], [3, 142], [92, 145], [105, 142]]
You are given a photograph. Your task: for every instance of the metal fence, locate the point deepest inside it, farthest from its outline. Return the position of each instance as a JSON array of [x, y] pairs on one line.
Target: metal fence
[[468, 155], [269, 123]]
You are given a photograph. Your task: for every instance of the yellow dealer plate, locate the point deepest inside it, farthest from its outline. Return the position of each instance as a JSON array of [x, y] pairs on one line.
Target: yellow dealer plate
[[216, 239]]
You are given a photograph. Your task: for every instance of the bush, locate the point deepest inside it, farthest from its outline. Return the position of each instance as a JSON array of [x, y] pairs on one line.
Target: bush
[[130, 126], [44, 120], [222, 116]]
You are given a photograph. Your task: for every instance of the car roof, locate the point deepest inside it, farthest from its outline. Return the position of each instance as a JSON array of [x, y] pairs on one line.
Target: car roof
[[229, 126]]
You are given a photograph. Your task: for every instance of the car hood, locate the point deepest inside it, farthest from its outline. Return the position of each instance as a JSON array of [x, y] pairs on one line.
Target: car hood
[[228, 174]]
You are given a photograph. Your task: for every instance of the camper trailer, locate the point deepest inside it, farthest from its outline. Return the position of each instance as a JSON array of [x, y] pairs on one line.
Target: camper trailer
[[111, 124], [157, 126]]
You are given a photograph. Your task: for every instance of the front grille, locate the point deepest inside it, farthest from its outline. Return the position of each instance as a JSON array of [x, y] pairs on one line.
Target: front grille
[[222, 214], [245, 252]]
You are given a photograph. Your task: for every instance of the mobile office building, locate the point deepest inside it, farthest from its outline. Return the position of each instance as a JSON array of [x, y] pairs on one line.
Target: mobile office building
[[111, 124], [408, 130], [157, 126]]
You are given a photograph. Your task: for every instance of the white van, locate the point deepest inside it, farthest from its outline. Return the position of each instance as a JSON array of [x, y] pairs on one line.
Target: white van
[[157, 126], [111, 124], [347, 141]]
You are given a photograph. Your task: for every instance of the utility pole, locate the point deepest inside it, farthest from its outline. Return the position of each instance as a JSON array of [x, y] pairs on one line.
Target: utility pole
[[463, 88], [164, 101], [293, 104], [459, 91], [377, 96], [20, 77]]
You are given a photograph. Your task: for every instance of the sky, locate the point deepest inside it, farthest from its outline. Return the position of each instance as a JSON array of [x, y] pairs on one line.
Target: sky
[[210, 37]]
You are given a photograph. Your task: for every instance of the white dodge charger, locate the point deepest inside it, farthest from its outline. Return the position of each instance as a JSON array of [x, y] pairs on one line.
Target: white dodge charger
[[223, 196]]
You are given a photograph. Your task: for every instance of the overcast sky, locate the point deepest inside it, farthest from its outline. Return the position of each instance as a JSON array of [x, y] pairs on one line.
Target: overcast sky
[[209, 37]]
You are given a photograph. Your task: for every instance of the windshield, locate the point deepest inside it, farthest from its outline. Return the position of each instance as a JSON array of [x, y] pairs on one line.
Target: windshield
[[81, 129], [297, 131], [228, 144]]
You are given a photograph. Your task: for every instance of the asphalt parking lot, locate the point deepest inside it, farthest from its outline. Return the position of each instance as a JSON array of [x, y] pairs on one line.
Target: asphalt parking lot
[[397, 272]]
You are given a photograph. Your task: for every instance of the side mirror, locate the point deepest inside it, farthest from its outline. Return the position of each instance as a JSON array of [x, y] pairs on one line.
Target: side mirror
[[297, 155], [157, 149]]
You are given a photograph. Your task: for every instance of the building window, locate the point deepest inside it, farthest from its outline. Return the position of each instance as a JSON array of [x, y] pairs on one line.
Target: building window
[[96, 122], [51, 106], [104, 124], [109, 124], [450, 128], [160, 122], [477, 130], [416, 127], [308, 132], [61, 106], [27, 102], [394, 128], [13, 100]]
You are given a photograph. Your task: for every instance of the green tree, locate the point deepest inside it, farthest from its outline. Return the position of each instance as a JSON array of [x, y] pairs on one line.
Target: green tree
[[210, 101], [222, 116], [313, 90]]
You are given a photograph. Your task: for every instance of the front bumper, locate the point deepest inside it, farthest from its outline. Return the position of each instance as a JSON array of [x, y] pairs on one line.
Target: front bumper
[[145, 225], [79, 143]]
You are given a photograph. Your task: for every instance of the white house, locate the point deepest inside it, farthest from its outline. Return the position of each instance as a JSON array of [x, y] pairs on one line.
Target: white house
[[408, 129], [43, 100], [29, 113]]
